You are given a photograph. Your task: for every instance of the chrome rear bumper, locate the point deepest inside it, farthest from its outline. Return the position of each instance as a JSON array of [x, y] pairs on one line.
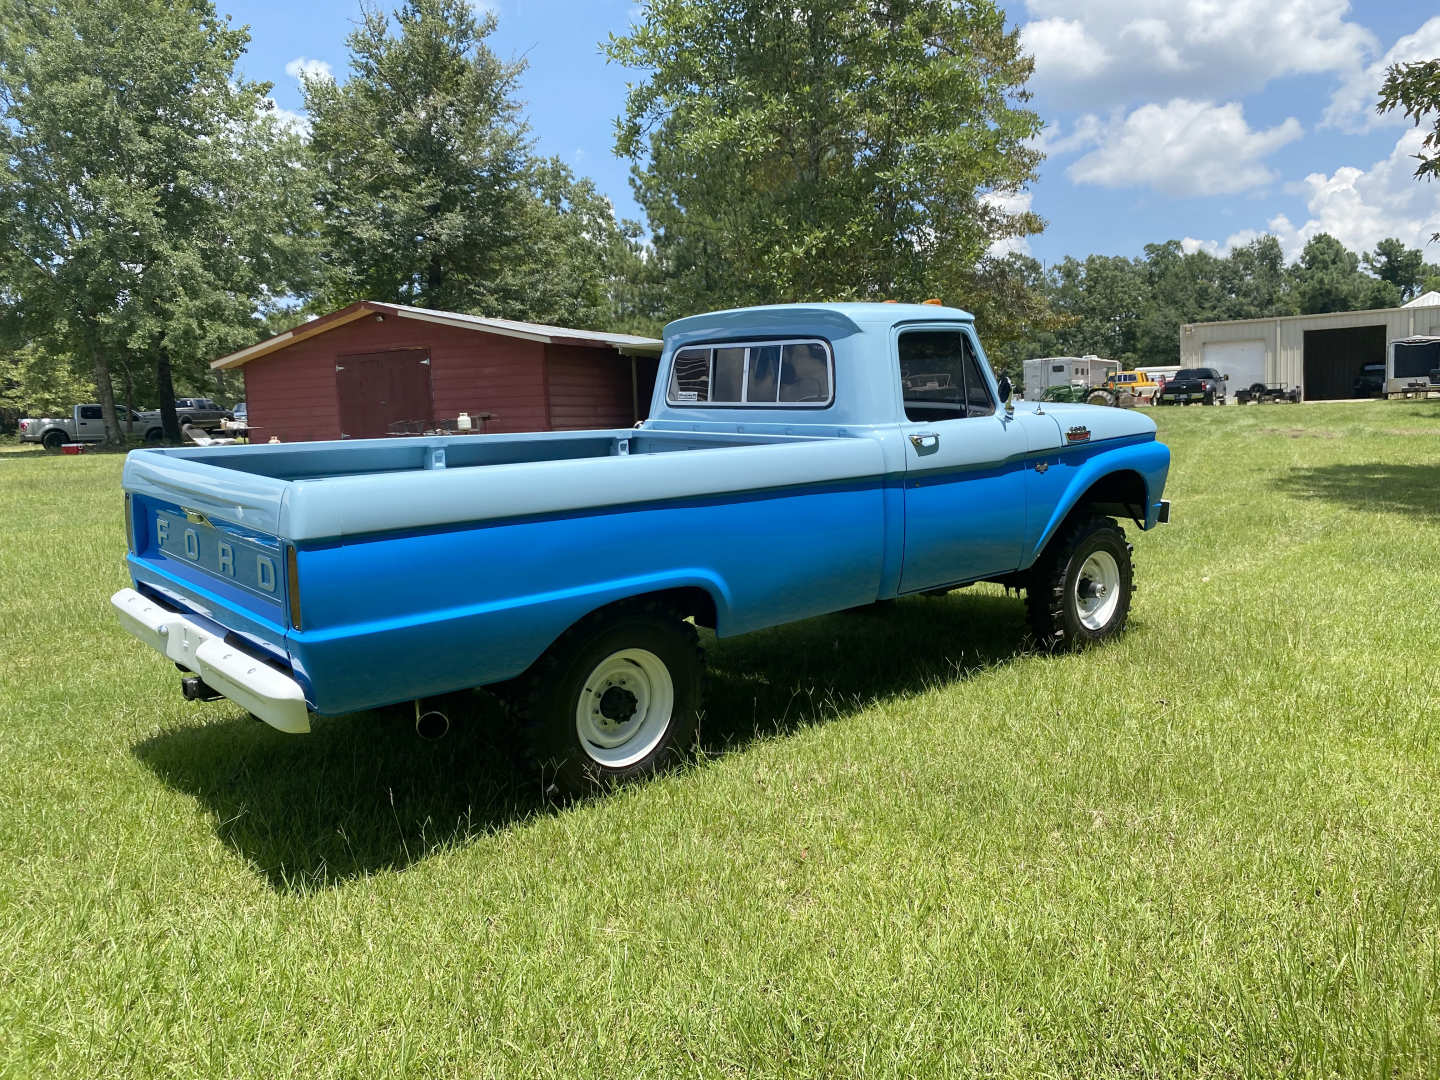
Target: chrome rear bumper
[[252, 684]]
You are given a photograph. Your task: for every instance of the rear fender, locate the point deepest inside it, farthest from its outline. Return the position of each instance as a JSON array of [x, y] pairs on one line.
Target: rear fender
[[473, 646]]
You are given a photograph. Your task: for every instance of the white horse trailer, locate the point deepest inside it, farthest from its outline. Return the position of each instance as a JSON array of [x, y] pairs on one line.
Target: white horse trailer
[[1080, 372]]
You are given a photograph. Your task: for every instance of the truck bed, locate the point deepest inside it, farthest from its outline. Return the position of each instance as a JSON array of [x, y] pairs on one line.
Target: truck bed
[[405, 550]]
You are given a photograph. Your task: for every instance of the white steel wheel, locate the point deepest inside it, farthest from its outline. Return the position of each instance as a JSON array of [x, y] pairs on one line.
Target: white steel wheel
[[625, 708], [1097, 590]]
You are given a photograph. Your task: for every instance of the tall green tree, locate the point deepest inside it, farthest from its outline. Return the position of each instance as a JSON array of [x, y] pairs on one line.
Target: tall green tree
[[1255, 282], [1328, 278], [429, 192], [825, 148], [133, 154], [1404, 267]]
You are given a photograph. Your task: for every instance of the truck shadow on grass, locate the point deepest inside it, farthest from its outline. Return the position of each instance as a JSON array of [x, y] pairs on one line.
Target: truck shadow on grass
[[363, 794], [1401, 489]]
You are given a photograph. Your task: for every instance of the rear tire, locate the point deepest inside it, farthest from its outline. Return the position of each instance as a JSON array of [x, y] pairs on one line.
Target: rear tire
[[1078, 592], [616, 699], [53, 441]]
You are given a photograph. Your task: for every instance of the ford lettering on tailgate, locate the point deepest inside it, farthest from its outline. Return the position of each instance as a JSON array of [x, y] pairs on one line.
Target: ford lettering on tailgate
[[246, 563]]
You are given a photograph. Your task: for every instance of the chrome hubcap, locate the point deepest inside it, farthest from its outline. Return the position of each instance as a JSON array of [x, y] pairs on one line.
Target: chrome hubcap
[[1097, 590]]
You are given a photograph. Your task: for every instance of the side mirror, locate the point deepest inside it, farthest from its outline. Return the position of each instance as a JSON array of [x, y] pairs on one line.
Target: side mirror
[[1226, 377], [1005, 388]]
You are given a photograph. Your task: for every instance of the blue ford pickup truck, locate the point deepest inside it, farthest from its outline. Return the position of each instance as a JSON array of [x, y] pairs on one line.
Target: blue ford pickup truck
[[798, 459]]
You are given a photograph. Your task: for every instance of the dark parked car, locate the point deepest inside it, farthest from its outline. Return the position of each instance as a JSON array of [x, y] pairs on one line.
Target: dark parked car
[[1370, 382], [1193, 384]]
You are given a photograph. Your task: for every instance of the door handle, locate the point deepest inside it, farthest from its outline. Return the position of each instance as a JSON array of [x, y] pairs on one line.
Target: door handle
[[925, 442]]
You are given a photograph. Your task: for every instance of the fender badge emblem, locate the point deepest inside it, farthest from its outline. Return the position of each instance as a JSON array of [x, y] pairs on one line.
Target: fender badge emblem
[[1042, 466], [1078, 434]]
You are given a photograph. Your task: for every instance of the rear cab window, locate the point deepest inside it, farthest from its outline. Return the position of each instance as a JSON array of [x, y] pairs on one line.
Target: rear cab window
[[796, 373]]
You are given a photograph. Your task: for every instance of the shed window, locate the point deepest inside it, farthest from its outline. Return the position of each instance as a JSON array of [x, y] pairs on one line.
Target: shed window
[[1058, 369], [791, 373]]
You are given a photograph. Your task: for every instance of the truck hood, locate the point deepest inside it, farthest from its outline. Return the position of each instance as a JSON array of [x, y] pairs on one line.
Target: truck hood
[[1101, 421]]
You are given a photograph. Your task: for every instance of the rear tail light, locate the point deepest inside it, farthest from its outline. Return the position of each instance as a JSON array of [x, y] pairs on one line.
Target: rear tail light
[[292, 585]]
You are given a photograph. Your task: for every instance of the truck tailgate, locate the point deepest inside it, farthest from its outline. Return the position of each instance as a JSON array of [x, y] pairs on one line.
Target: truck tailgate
[[204, 539]]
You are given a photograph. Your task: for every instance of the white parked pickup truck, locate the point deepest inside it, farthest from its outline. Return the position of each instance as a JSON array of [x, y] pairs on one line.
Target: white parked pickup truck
[[85, 425]]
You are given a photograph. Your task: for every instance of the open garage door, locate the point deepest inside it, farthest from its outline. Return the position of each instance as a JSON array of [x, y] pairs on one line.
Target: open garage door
[[1333, 359], [1243, 361]]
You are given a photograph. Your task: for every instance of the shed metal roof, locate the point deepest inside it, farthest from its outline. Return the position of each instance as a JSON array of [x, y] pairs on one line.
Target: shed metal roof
[[626, 344]]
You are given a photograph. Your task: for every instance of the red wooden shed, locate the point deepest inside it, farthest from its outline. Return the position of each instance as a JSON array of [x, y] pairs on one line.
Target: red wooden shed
[[374, 369]]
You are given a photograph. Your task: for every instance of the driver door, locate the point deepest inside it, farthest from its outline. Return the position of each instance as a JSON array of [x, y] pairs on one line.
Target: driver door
[[964, 459]]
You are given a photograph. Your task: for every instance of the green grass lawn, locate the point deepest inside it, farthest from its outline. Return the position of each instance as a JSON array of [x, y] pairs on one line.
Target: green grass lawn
[[911, 847]]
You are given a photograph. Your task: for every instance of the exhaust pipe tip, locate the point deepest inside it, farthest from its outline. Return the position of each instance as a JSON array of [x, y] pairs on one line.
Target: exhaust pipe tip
[[432, 725]]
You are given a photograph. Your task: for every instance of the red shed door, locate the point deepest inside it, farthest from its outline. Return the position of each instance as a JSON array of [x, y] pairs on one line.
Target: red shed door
[[381, 393]]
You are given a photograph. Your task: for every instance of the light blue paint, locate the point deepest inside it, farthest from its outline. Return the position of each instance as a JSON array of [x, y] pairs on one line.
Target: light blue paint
[[434, 564]]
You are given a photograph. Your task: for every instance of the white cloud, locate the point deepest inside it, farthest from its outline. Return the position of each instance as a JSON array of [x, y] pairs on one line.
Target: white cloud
[[299, 123], [317, 70], [1126, 50], [1359, 207], [1353, 106], [1018, 202], [1190, 245], [1088, 131], [1183, 148], [1362, 207], [1063, 50]]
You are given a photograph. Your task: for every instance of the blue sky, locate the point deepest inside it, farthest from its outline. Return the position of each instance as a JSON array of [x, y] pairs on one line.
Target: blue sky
[[1205, 121]]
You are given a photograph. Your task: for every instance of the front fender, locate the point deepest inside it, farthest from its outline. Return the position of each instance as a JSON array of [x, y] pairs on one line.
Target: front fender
[[1079, 470]]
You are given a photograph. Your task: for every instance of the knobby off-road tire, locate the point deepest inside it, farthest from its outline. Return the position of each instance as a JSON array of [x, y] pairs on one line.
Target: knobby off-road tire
[[616, 698], [1078, 593]]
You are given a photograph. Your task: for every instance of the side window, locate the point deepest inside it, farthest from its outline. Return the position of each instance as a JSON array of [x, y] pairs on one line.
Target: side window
[[1058, 369], [977, 394], [90, 412], [940, 376]]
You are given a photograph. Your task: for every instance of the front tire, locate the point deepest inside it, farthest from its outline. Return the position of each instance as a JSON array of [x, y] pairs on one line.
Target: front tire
[[1079, 591], [617, 698]]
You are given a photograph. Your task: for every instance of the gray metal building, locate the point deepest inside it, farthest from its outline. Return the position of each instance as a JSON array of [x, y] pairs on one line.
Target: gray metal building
[[1321, 354]]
